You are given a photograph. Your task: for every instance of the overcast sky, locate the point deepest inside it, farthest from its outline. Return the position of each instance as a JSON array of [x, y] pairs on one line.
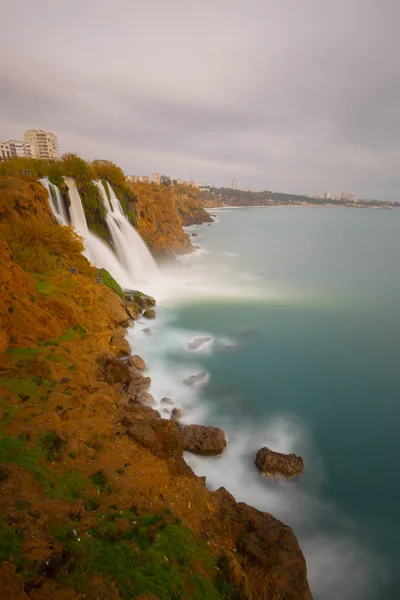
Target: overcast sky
[[289, 95]]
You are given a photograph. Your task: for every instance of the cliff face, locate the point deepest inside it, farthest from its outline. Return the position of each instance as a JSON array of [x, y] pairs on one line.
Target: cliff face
[[190, 207], [161, 211], [96, 500], [157, 219]]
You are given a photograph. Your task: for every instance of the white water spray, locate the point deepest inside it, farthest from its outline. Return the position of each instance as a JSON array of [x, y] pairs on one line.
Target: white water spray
[[56, 201], [131, 250]]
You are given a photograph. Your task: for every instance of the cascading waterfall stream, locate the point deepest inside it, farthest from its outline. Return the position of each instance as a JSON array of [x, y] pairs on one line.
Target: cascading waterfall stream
[[56, 201], [95, 250], [131, 250]]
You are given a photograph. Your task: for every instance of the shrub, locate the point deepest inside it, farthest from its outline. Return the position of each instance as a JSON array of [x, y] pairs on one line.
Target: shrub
[[74, 166], [37, 246], [105, 169]]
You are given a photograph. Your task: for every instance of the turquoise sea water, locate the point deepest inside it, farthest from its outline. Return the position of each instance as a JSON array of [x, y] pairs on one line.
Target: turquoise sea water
[[311, 297]]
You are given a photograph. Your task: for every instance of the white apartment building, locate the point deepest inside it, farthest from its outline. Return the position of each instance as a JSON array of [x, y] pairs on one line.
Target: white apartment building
[[5, 151], [156, 178], [44, 143], [21, 149], [13, 148]]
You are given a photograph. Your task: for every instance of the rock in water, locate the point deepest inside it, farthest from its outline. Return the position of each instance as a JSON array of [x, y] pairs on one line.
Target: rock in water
[[198, 378], [149, 313], [206, 441], [166, 401], [176, 414], [274, 464], [138, 362], [198, 342]]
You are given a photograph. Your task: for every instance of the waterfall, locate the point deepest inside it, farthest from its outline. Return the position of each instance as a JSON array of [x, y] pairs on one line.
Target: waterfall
[[78, 218], [95, 250], [131, 250], [56, 201], [132, 264]]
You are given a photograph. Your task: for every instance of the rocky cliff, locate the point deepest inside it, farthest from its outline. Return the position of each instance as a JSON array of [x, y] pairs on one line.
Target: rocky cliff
[[161, 211], [96, 500]]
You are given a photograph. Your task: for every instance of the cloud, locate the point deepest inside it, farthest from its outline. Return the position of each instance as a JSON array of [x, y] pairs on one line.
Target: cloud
[[298, 97]]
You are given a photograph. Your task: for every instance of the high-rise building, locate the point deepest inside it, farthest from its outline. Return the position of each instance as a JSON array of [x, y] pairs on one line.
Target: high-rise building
[[234, 184], [156, 178], [44, 142]]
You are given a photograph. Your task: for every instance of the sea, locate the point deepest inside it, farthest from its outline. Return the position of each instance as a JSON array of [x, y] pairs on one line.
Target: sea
[[298, 311]]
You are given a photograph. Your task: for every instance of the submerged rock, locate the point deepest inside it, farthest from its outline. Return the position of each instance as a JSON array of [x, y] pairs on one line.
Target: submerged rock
[[198, 378], [149, 313], [232, 347], [138, 362], [275, 464], [198, 342], [203, 440]]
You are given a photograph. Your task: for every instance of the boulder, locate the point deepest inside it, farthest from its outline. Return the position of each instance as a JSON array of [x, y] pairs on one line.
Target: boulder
[[150, 313], [140, 299], [120, 346], [198, 378], [176, 414], [161, 436], [166, 401], [198, 342], [138, 385], [146, 398], [194, 234], [203, 440], [138, 362], [133, 310], [274, 464], [116, 371]]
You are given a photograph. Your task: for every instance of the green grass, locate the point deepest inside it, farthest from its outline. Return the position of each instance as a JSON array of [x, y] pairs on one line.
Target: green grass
[[10, 543], [24, 388], [142, 555], [25, 354], [110, 282], [67, 486], [72, 334], [43, 285]]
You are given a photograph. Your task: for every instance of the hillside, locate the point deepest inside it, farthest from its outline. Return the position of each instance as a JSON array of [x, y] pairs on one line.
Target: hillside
[[96, 500], [229, 197]]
